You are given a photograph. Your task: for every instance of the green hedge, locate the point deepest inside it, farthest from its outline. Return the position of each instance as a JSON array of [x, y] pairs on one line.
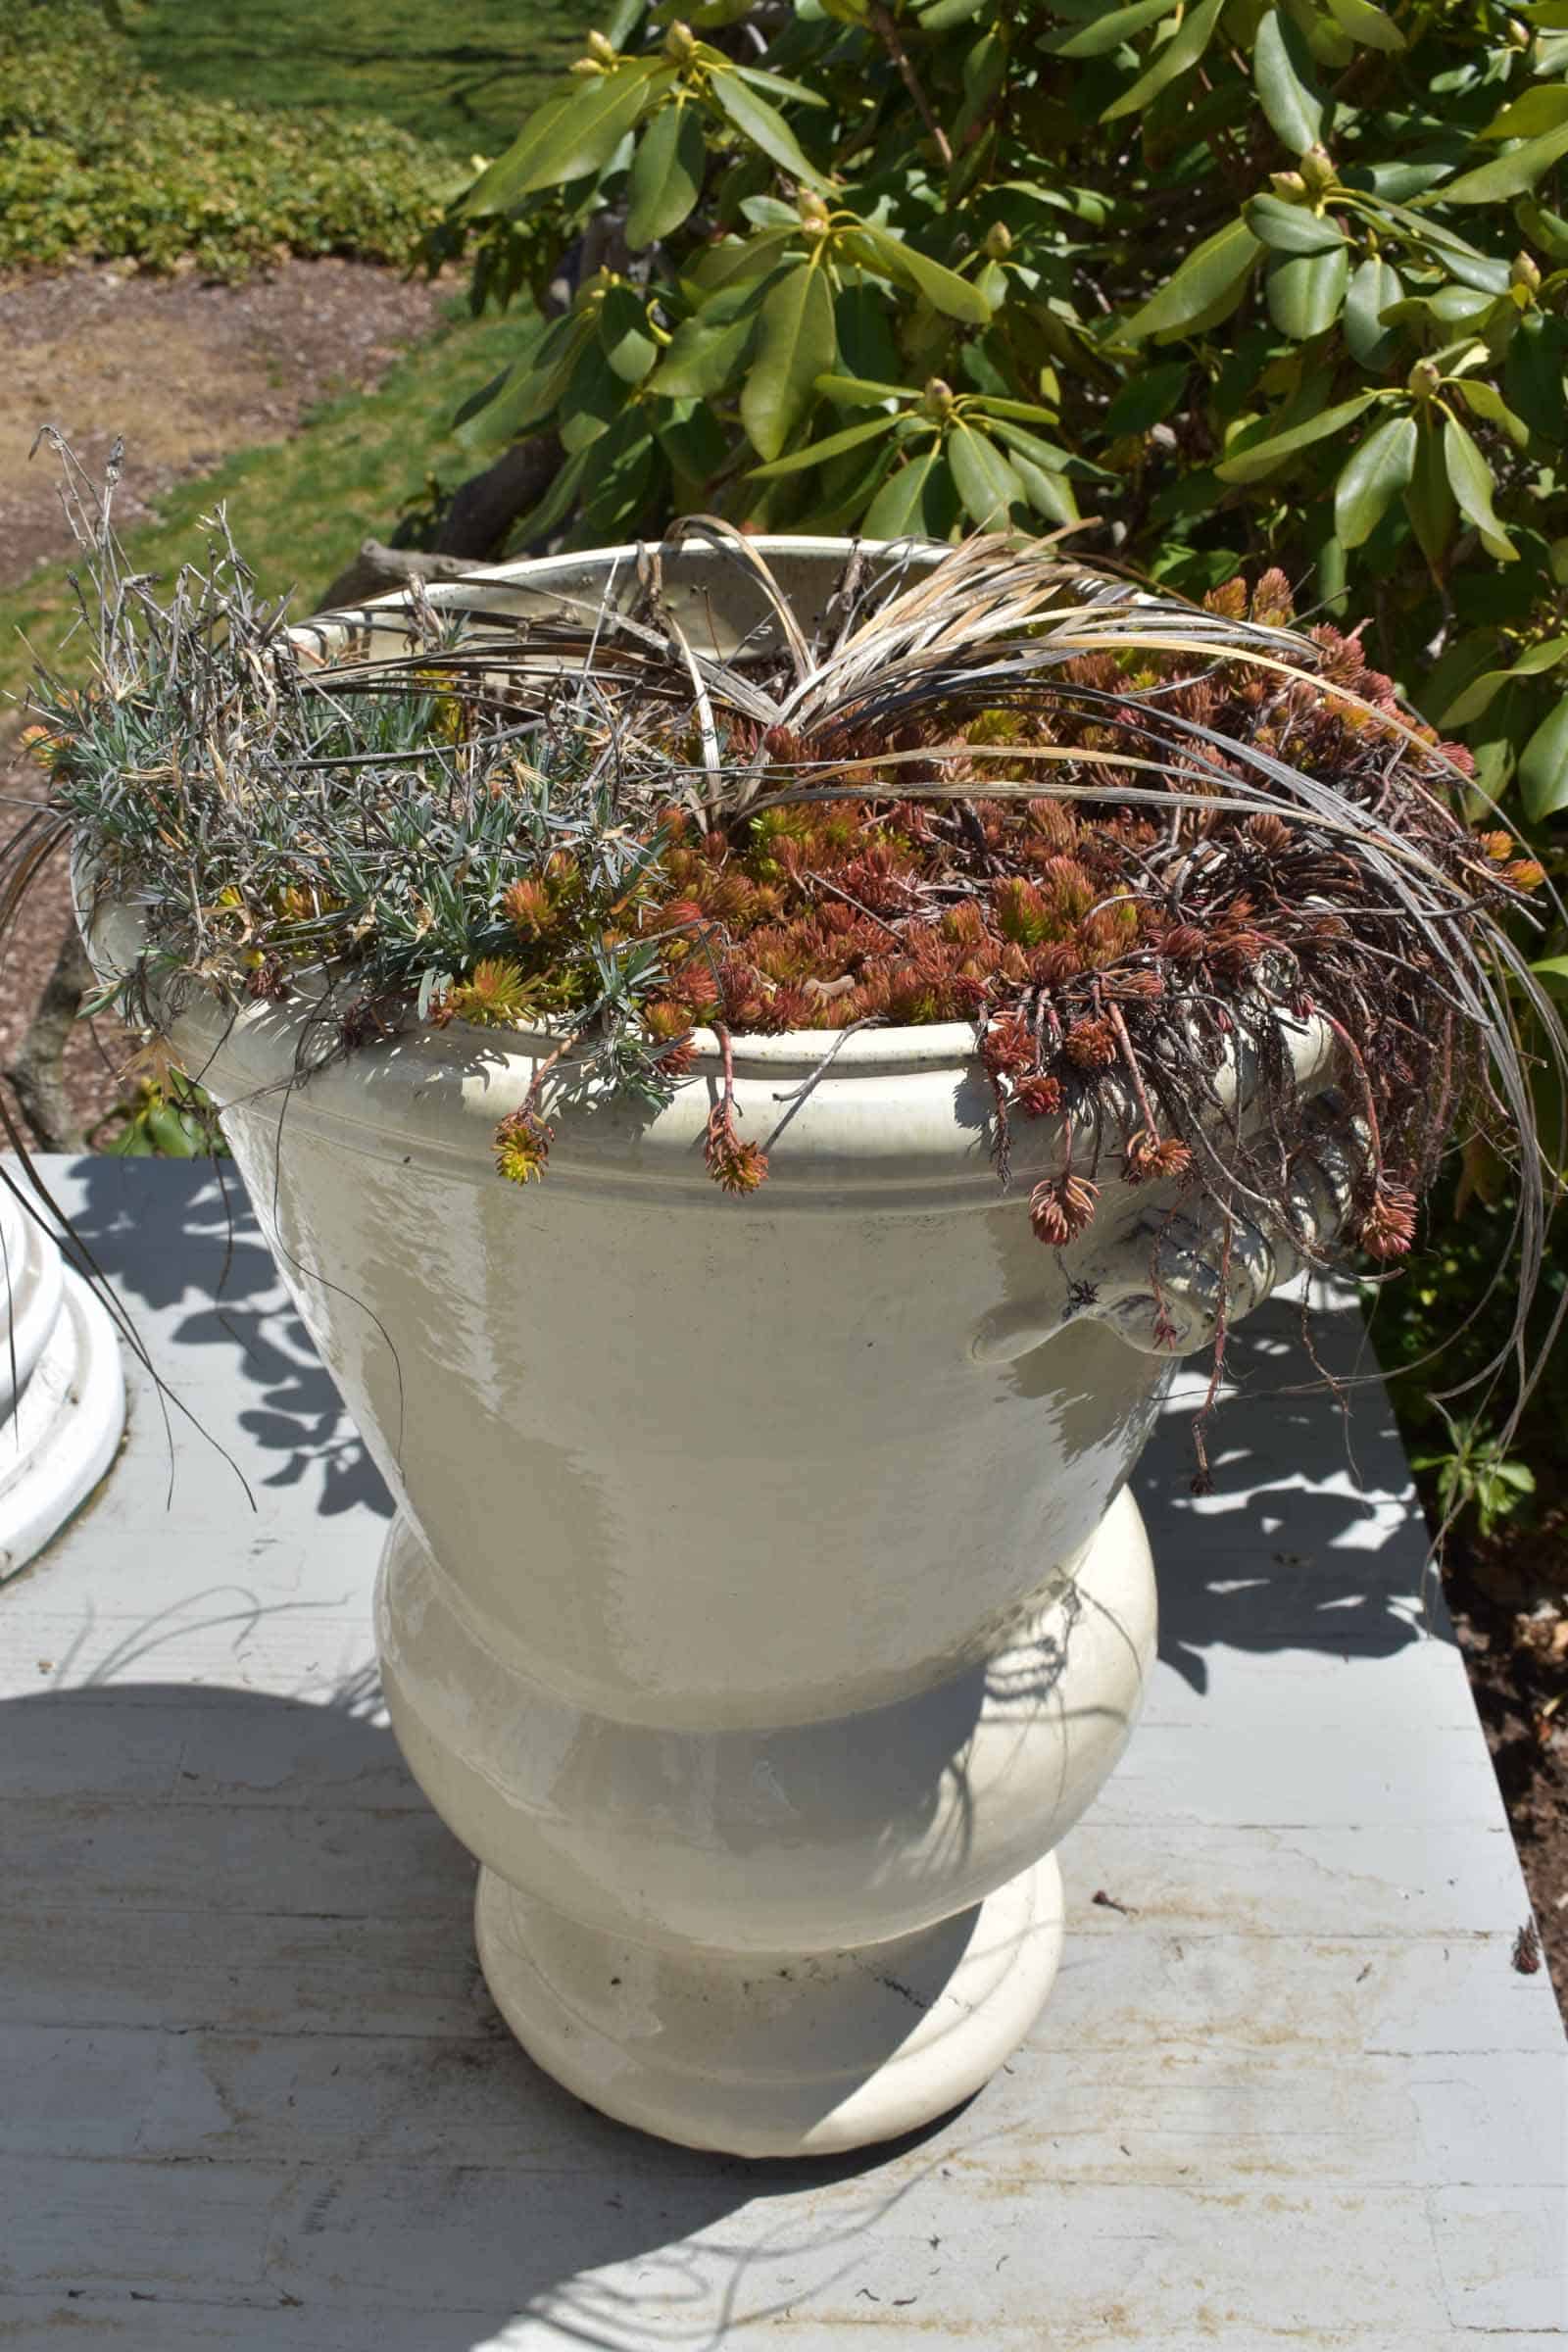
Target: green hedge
[[98, 163]]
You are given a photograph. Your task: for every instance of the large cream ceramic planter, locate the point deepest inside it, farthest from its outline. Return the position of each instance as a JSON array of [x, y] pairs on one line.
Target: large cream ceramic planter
[[765, 1599]]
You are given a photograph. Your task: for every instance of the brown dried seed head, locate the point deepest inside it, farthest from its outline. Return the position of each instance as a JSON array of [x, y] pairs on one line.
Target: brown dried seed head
[[1007, 1044], [1269, 831], [1151, 1156], [1091, 1045], [1184, 943], [1060, 1209], [1038, 1096], [1388, 1226]]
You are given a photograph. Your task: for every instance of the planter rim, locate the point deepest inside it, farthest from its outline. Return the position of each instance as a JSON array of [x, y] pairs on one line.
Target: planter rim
[[488, 1071], [332, 627], [435, 1096]]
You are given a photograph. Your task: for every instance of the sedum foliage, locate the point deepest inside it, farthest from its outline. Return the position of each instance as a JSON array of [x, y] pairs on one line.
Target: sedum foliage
[[1248, 284], [97, 162]]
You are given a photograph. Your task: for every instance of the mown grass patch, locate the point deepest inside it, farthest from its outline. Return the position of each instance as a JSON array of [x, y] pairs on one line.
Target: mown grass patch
[[462, 75]]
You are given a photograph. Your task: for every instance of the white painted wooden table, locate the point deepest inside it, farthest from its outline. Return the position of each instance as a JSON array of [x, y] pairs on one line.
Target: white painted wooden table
[[1289, 2091]]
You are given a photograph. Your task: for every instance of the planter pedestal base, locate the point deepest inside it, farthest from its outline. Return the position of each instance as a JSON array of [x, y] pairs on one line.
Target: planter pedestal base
[[786, 1939], [774, 2055]]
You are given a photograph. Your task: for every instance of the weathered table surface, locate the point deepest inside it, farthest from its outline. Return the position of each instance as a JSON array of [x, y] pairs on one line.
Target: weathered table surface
[[1290, 2090]]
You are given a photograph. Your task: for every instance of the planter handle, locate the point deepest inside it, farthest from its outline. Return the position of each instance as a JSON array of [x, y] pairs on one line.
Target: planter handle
[[1165, 1283]]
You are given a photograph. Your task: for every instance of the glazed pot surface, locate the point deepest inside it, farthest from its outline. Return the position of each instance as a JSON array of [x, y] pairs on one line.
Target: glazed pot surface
[[765, 1594]]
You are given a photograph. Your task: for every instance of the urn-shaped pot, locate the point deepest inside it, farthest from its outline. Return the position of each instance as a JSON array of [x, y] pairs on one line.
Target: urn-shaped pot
[[765, 1599]]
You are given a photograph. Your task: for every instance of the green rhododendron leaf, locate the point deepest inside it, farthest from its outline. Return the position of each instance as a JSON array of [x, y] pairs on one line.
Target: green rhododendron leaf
[[1485, 401], [1368, 25], [913, 501], [571, 137], [1293, 228], [1375, 287], [1377, 472], [1532, 374], [1428, 499], [1177, 56], [1529, 115], [1470, 479], [1543, 765], [1207, 287], [1305, 295], [765, 127], [666, 175], [1479, 695], [1106, 30], [1512, 175], [1148, 398], [797, 343], [799, 460], [623, 334], [985, 482], [1282, 69], [1250, 465], [954, 296]]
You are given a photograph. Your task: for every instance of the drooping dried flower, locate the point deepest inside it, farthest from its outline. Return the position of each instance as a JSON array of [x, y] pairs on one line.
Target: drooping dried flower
[[1062, 1208], [1055, 967], [676, 915], [1055, 823], [1007, 1044], [523, 1142], [1388, 1227], [666, 1020], [1149, 1157], [1091, 1045], [735, 1165], [269, 979], [1184, 943], [1269, 831], [1234, 954], [1136, 987], [1273, 606], [1039, 1095]]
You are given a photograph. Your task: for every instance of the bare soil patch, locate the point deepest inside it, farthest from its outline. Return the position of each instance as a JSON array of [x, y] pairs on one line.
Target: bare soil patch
[[1509, 1599], [184, 369]]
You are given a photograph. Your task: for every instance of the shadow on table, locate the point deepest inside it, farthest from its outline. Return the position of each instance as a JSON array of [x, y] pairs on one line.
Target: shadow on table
[[166, 1232], [1312, 1537], [425, 2182]]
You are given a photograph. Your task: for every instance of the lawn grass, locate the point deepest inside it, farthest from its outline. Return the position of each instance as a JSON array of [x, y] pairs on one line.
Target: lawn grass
[[298, 509], [462, 74]]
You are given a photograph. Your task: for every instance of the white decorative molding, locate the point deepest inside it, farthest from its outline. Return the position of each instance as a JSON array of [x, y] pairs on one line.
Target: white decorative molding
[[61, 1390]]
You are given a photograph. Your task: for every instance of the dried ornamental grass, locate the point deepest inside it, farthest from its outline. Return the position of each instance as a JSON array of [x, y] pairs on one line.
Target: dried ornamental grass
[[1127, 838]]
